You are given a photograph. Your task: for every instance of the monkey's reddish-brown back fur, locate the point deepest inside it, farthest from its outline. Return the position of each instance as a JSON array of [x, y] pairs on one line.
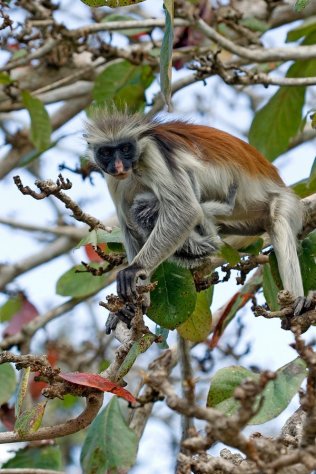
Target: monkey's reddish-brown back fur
[[218, 147]]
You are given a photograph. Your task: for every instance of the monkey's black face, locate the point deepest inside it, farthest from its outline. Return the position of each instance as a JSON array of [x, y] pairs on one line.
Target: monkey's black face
[[117, 159]]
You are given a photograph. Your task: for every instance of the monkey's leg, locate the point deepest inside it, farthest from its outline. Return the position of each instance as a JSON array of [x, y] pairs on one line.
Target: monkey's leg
[[221, 208], [204, 239]]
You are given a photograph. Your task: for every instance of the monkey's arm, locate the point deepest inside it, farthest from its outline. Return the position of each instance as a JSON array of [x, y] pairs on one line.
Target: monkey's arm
[[179, 212], [131, 243]]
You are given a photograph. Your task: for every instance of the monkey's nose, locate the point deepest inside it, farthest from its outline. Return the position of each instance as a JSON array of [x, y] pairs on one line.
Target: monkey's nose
[[119, 167]]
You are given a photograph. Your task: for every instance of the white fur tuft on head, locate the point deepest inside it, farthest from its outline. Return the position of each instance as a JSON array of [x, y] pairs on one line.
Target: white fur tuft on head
[[109, 124]]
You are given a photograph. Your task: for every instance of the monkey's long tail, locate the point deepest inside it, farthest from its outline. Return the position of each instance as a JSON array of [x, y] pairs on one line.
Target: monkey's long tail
[[287, 220]]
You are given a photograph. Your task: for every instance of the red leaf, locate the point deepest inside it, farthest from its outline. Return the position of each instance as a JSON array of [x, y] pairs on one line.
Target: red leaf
[[37, 387], [26, 313], [7, 416], [92, 254], [96, 381], [241, 300]]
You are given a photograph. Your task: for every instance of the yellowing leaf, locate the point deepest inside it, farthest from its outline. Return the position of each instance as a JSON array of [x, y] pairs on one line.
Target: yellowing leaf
[[199, 324]]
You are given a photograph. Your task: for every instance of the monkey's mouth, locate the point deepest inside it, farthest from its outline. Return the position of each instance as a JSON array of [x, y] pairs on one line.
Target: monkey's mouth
[[121, 175]]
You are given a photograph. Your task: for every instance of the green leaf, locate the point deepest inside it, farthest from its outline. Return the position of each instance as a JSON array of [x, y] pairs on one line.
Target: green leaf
[[7, 382], [308, 262], [10, 308], [306, 187], [275, 270], [111, 3], [5, 79], [254, 24], [199, 324], [110, 444], [277, 394], [166, 53], [46, 457], [173, 301], [224, 382], [82, 284], [253, 249], [270, 290], [124, 84], [30, 420], [300, 5], [20, 53], [139, 347], [100, 236], [279, 120], [41, 128], [22, 390], [230, 254], [304, 29]]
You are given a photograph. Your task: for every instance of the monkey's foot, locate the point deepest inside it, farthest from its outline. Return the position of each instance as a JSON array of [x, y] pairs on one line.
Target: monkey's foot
[[302, 304]]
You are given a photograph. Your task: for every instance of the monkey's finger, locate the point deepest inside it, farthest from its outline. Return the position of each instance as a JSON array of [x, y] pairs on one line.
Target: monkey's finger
[[111, 323], [131, 278], [126, 292], [301, 303], [125, 318], [121, 284], [125, 315], [131, 285]]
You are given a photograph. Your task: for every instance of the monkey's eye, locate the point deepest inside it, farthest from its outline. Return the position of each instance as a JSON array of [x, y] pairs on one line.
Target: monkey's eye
[[126, 148], [103, 152]]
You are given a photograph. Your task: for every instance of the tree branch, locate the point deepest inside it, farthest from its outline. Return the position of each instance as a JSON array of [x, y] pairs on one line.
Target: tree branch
[[51, 251], [26, 470], [75, 233], [258, 55], [121, 25], [93, 404]]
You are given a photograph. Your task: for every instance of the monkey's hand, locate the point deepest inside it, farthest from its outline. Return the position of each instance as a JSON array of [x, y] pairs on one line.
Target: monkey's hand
[[126, 282], [125, 314]]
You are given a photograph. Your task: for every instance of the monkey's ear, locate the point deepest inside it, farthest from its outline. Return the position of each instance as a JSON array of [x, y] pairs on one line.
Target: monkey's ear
[[85, 136]]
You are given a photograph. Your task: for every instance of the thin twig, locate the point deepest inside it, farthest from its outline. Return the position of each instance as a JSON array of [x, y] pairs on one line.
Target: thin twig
[[49, 188]]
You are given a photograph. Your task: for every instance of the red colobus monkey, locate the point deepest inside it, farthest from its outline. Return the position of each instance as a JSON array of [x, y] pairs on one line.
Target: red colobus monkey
[[179, 187]]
